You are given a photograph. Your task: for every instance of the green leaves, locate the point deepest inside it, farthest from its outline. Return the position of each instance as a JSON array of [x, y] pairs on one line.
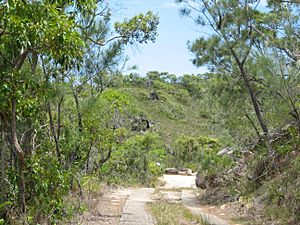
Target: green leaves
[[49, 182], [42, 27], [140, 28], [137, 159]]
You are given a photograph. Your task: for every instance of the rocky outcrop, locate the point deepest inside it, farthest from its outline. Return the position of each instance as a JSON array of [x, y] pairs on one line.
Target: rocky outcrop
[[153, 95], [208, 181], [141, 123]]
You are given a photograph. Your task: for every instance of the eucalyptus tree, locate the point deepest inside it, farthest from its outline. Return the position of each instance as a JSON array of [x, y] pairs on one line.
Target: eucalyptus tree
[[28, 29], [38, 35]]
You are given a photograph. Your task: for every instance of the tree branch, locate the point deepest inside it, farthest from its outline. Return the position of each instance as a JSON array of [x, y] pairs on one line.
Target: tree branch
[[285, 50], [101, 43]]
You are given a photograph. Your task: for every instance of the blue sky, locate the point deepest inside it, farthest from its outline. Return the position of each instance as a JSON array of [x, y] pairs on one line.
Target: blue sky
[[170, 52]]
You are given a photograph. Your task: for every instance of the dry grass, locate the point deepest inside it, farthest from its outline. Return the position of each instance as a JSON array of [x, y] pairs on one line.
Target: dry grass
[[166, 213]]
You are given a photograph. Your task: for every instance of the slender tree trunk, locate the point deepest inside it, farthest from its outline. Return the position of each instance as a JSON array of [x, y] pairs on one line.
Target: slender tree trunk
[[105, 158], [253, 124], [250, 91], [79, 116], [88, 157], [254, 103], [59, 117], [80, 127], [3, 162], [295, 112], [21, 157], [53, 131]]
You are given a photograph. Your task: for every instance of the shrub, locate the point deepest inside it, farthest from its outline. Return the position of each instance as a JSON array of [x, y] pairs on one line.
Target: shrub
[[138, 160]]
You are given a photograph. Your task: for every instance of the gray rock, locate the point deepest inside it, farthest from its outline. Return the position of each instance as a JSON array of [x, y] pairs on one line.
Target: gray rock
[[185, 172], [225, 151], [173, 171]]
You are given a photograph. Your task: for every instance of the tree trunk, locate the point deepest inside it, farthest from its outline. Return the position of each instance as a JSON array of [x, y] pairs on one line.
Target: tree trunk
[[88, 157], [53, 132], [250, 91], [253, 124], [254, 103], [3, 162], [21, 157], [79, 116], [59, 117], [295, 112]]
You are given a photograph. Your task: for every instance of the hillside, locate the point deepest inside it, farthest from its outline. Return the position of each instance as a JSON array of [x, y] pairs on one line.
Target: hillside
[[173, 115]]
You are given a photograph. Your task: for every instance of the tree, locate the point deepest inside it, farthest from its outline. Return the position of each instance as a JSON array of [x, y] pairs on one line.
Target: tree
[[27, 30], [231, 40], [52, 37]]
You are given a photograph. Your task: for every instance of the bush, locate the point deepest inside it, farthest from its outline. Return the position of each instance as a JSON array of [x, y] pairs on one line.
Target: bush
[[283, 195], [49, 183], [200, 154], [138, 160]]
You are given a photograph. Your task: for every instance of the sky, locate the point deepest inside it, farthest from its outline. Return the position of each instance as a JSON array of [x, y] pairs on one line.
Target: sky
[[170, 52]]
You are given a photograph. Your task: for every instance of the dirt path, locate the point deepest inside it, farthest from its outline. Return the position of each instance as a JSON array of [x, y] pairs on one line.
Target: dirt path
[[176, 188], [213, 215], [103, 210], [134, 212], [126, 206]]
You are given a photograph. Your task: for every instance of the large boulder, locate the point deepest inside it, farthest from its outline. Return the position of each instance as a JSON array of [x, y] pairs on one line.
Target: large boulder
[[171, 171], [141, 123], [200, 181], [205, 182]]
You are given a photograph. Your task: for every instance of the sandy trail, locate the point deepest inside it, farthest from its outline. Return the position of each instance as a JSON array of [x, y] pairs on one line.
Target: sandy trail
[[126, 206], [189, 199]]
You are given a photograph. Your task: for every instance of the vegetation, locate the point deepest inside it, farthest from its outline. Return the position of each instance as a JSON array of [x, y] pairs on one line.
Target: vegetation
[[70, 116], [253, 91], [56, 60], [173, 214]]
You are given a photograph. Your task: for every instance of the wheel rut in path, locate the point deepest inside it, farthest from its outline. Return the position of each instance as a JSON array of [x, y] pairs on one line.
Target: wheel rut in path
[[189, 199], [134, 212]]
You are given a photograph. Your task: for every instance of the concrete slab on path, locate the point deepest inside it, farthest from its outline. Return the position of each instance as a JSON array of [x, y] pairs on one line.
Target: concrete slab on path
[[134, 212]]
